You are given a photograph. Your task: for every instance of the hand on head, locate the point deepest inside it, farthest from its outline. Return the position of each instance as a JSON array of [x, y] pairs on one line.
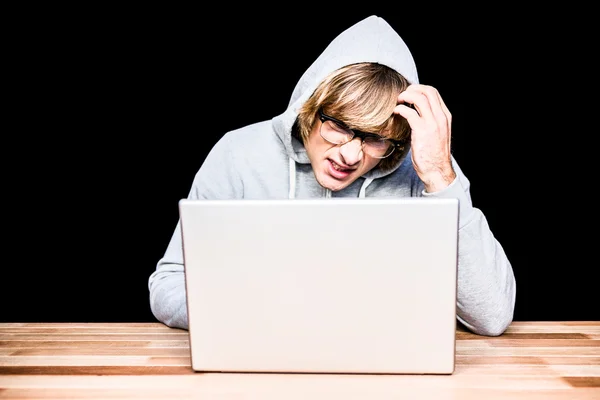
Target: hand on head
[[431, 126]]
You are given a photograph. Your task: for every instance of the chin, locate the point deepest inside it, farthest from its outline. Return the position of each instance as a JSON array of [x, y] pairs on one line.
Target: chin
[[332, 184]]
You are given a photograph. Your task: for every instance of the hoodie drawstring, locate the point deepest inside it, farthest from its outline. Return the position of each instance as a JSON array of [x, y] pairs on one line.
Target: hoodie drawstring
[[292, 192], [363, 188]]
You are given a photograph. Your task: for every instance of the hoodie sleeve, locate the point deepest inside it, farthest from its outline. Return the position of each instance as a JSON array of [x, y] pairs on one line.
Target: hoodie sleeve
[[216, 179], [486, 282]]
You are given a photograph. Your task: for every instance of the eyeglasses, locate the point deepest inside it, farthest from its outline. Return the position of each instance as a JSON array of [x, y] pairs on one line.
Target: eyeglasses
[[336, 132]]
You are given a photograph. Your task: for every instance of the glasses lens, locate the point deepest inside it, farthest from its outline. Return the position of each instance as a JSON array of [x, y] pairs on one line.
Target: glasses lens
[[335, 134], [378, 148]]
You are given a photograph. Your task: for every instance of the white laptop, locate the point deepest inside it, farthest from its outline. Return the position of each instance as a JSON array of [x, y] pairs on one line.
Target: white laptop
[[321, 286]]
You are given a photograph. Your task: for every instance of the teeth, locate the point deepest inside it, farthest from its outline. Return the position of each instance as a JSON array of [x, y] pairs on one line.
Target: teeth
[[336, 167]]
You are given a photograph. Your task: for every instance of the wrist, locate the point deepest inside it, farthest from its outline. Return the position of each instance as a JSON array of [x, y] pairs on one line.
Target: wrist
[[439, 180]]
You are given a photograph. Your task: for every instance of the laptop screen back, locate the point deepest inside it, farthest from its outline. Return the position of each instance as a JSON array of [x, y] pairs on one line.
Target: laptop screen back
[[330, 285]]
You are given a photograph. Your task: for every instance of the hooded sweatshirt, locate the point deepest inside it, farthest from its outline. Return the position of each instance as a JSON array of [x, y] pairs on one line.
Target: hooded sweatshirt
[[264, 161]]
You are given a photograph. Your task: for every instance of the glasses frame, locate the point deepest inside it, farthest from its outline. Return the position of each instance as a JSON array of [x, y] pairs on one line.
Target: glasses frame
[[358, 134]]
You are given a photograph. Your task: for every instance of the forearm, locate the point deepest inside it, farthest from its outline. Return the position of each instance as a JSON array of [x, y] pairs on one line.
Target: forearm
[[168, 298], [217, 179], [486, 283]]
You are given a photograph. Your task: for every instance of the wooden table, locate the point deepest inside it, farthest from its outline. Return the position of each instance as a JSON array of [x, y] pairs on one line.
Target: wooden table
[[532, 360]]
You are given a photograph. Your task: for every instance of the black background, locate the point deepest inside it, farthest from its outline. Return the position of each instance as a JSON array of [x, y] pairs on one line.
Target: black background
[[112, 111]]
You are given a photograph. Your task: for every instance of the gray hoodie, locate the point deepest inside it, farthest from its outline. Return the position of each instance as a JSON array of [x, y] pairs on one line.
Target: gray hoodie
[[264, 161]]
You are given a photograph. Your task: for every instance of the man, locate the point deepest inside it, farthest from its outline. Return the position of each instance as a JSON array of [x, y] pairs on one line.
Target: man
[[358, 124]]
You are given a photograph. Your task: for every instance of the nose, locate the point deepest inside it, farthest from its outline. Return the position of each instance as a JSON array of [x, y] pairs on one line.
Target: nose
[[352, 151]]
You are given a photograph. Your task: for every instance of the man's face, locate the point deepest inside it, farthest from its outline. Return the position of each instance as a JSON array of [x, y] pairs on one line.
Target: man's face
[[337, 166]]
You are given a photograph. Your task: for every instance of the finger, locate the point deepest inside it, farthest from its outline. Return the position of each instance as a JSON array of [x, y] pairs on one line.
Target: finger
[[406, 110], [417, 96], [438, 107], [444, 114], [444, 108], [444, 117], [439, 110]]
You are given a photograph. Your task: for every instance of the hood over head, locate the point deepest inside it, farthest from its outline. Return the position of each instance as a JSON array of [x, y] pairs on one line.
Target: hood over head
[[369, 40]]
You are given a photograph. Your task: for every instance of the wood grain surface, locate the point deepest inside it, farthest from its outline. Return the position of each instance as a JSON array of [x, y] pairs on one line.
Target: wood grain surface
[[532, 360]]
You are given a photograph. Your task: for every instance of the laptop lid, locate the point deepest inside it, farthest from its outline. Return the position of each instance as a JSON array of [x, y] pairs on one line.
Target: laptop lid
[[321, 285]]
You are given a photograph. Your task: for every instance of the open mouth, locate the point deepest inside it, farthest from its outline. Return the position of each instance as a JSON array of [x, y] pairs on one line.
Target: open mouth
[[337, 171], [337, 167]]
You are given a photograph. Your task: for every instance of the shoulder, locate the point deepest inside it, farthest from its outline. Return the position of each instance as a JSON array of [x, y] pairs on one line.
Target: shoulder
[[259, 137], [249, 134], [250, 141]]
